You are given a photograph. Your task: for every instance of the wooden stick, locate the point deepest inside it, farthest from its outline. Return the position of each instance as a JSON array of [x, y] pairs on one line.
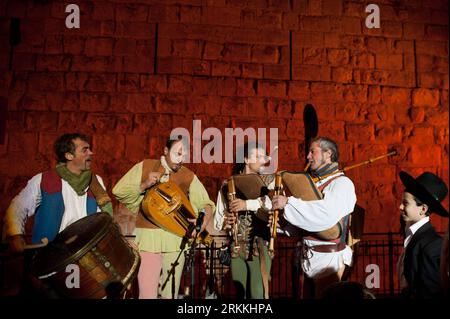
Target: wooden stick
[[369, 161], [231, 197], [35, 246], [273, 230]]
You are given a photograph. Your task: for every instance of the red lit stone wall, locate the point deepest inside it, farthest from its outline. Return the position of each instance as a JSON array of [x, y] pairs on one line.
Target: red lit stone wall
[[137, 69]]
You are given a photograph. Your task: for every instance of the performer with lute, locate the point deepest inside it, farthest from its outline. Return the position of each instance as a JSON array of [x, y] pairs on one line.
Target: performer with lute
[[159, 245]]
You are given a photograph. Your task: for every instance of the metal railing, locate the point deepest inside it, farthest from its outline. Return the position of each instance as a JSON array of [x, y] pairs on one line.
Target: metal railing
[[374, 266], [375, 260]]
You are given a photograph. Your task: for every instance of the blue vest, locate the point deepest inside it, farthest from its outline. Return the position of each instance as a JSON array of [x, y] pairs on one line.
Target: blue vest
[[48, 217]]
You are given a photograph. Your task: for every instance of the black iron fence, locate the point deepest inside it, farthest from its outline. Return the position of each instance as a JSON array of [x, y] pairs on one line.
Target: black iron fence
[[375, 260], [374, 266]]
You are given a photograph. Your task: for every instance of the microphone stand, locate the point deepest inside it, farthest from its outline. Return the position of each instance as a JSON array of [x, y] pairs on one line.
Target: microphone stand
[[192, 260], [198, 226], [185, 240], [171, 272]]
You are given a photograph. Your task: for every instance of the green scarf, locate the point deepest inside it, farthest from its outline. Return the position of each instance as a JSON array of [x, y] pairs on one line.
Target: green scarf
[[79, 183]]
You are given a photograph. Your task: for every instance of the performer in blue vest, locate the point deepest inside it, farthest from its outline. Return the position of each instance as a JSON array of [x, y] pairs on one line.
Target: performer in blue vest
[[57, 197]]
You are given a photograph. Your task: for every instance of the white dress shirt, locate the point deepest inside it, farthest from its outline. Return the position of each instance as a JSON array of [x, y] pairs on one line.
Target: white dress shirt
[[411, 230]]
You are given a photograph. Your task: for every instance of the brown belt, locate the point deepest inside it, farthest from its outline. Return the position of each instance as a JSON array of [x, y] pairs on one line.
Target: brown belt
[[328, 248]]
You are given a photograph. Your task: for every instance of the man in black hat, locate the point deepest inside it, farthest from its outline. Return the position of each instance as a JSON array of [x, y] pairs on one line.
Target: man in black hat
[[419, 272]]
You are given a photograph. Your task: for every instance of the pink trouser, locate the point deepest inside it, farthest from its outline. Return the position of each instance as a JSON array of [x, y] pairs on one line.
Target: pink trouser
[[153, 273]]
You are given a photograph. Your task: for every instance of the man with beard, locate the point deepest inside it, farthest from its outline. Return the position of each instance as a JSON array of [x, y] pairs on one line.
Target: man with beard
[[159, 248], [323, 260], [58, 197]]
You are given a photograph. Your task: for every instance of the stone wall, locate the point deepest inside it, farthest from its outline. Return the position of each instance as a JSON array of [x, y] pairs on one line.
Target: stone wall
[[135, 70]]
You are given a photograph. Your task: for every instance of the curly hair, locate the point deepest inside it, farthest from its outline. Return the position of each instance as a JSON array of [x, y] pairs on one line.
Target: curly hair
[[64, 144]]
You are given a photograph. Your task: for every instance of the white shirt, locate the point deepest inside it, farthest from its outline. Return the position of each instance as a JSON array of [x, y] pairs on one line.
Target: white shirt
[[316, 215], [24, 205], [411, 230], [339, 201], [167, 170]]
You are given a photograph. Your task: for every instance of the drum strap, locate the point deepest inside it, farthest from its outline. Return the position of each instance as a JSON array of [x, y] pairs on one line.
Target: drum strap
[[101, 196]]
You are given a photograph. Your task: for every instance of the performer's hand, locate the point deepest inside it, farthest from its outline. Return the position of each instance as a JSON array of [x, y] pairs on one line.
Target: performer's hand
[[238, 205], [152, 179], [279, 202], [17, 244], [193, 233], [193, 221]]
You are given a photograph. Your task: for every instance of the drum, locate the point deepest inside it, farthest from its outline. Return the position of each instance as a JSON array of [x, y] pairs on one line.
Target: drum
[[88, 259]]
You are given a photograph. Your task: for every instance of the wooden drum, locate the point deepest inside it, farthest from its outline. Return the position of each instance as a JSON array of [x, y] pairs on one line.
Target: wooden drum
[[88, 259]]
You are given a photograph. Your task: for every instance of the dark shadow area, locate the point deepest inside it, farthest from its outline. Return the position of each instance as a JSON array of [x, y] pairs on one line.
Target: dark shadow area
[[346, 290], [311, 124]]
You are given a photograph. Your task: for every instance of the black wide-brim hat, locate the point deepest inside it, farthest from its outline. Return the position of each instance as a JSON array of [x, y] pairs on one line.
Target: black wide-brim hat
[[429, 189]]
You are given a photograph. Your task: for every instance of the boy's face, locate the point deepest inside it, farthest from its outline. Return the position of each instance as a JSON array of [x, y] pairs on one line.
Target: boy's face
[[410, 211]]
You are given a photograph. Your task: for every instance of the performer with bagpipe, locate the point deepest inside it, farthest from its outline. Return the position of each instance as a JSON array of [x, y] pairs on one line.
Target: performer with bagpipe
[[242, 209], [325, 219], [167, 197]]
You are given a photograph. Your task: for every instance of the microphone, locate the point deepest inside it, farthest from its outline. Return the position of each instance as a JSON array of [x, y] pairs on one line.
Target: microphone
[[201, 216]]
